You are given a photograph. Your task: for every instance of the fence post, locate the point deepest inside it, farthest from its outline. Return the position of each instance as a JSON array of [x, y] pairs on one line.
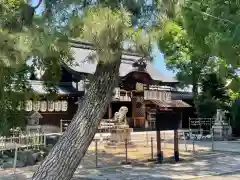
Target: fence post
[[15, 158], [184, 138], [193, 143], [61, 126], [27, 142], [126, 152], [212, 133], [96, 152], [44, 140], [151, 148], [146, 138]]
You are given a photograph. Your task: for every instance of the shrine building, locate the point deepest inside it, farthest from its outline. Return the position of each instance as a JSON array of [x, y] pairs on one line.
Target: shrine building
[[142, 89]]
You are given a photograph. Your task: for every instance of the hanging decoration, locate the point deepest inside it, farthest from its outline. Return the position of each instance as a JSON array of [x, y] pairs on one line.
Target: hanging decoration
[[50, 106], [64, 105], [36, 106], [43, 106], [28, 105], [57, 106]]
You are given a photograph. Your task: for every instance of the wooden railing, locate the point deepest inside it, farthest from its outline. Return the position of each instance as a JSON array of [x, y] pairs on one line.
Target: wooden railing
[[157, 95]]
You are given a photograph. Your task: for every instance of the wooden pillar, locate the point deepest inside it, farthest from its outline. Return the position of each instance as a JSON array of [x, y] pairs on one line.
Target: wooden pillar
[[159, 147], [134, 110], [176, 149], [110, 110]]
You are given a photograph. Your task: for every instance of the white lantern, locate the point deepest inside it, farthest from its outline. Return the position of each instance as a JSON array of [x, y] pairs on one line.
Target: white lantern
[[57, 106], [64, 105], [36, 106], [43, 106], [28, 105], [50, 106]]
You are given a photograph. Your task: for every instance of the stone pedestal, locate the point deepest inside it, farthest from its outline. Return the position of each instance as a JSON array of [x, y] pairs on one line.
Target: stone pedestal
[[119, 136], [222, 131]]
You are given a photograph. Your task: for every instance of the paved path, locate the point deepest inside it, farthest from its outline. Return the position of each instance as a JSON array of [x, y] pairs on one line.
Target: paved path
[[211, 166], [230, 176]]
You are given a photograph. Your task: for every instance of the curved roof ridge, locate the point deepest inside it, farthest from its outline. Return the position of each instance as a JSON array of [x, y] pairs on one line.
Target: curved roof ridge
[[88, 45]]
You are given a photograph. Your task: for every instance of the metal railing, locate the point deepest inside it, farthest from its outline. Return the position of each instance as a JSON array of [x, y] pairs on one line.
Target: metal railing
[[34, 140]]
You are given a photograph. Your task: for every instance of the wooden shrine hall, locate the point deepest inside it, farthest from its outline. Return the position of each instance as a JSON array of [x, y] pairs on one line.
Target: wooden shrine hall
[[142, 88]]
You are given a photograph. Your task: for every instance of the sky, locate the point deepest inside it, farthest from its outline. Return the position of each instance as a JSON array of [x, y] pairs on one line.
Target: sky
[[160, 64]]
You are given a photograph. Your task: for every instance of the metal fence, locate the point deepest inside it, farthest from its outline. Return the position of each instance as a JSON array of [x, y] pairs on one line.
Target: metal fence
[[142, 148], [33, 140]]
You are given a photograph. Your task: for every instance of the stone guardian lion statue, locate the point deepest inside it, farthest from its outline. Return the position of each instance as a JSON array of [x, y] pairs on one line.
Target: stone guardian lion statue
[[121, 116]]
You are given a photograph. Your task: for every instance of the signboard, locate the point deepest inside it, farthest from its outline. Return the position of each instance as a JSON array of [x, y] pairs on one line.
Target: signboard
[[201, 123], [167, 120]]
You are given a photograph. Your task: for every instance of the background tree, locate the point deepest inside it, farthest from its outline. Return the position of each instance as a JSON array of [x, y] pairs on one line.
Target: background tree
[[235, 112], [182, 54], [221, 24], [213, 95], [24, 36], [190, 43]]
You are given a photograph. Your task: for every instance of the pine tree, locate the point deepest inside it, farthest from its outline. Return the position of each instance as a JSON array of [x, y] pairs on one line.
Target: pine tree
[[44, 38]]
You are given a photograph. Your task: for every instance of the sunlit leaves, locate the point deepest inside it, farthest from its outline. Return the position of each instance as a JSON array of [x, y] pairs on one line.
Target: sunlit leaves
[[175, 46], [219, 22], [105, 24]]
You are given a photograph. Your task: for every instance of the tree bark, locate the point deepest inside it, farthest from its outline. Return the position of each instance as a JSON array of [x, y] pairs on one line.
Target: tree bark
[[67, 154]]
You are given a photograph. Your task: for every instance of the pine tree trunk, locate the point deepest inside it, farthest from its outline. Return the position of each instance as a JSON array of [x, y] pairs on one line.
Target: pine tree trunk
[[67, 154]]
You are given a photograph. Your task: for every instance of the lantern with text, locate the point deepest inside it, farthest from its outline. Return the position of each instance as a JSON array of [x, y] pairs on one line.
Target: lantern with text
[[36, 106], [43, 106], [50, 106], [28, 106], [57, 106], [64, 105]]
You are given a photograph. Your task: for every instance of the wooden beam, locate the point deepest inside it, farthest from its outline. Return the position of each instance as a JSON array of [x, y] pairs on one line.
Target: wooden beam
[[134, 110]]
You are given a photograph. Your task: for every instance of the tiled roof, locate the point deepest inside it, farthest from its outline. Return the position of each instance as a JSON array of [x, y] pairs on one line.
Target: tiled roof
[[62, 89], [82, 51], [172, 103]]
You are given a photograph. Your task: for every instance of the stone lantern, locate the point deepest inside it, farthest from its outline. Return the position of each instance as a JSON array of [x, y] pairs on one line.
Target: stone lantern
[[33, 122]]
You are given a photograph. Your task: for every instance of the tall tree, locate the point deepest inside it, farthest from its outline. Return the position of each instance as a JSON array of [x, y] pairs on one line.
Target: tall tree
[[107, 38], [221, 25], [182, 54], [44, 38], [213, 95], [185, 35]]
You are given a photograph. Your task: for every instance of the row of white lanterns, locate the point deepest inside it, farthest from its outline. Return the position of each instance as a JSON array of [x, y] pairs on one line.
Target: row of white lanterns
[[44, 106]]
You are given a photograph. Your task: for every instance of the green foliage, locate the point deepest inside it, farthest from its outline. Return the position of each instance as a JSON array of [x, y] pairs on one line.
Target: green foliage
[[13, 90], [218, 22], [213, 95], [44, 38], [235, 113]]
